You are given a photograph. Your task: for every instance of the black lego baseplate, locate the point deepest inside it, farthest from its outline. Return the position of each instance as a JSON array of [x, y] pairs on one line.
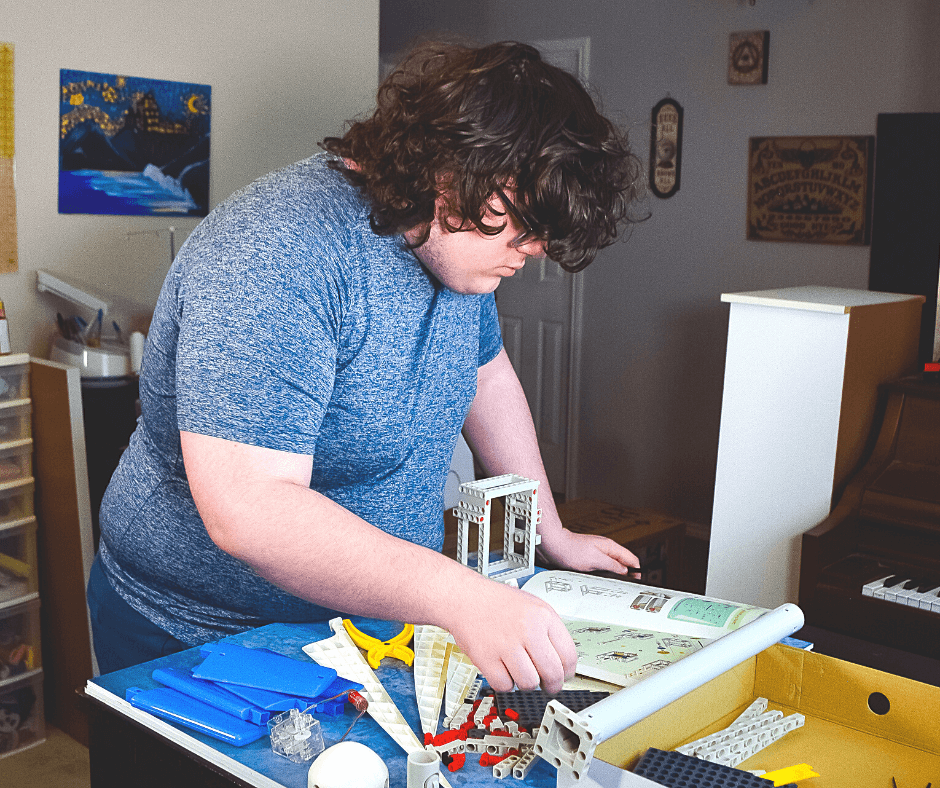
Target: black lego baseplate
[[530, 704], [675, 770]]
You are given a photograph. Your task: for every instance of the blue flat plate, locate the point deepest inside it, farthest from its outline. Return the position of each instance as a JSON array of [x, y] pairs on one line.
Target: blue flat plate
[[262, 669]]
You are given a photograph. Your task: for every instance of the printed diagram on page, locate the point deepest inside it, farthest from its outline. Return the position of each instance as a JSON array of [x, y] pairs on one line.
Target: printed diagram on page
[[625, 631], [624, 655]]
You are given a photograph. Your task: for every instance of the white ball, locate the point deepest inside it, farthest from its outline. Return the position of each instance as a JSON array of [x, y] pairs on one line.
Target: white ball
[[348, 764]]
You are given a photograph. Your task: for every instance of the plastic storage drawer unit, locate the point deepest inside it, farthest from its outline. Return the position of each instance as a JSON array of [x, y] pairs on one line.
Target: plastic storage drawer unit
[[15, 422], [18, 575], [14, 377], [16, 460], [22, 722], [16, 501], [19, 639]]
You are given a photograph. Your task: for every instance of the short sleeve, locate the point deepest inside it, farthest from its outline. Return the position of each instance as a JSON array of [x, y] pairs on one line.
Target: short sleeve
[[260, 317], [491, 340]]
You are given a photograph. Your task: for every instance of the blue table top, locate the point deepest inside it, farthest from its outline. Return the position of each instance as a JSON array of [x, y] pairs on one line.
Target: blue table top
[[397, 678]]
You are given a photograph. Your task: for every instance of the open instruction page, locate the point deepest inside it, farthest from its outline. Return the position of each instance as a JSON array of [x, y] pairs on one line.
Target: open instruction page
[[624, 631]]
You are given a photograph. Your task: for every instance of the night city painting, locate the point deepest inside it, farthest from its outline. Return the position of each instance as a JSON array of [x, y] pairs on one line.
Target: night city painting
[[133, 146]]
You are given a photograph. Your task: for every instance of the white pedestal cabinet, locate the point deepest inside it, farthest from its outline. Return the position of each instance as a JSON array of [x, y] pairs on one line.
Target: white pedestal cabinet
[[800, 393]]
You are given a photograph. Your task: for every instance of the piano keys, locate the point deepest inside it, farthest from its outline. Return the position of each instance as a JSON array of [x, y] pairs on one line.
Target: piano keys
[[901, 590], [871, 570]]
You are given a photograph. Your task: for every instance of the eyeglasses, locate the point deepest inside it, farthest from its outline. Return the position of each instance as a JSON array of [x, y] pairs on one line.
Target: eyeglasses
[[528, 233]]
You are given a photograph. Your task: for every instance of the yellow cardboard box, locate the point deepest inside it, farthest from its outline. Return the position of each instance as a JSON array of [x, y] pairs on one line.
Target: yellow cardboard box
[[848, 743]]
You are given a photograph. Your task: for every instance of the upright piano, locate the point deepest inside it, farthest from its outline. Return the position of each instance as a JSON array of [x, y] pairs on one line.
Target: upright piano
[[872, 568]]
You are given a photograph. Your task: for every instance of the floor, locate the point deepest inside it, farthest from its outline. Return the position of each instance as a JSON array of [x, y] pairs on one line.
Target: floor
[[59, 762]]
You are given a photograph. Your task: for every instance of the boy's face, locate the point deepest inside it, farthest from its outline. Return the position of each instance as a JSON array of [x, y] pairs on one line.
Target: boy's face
[[470, 262]]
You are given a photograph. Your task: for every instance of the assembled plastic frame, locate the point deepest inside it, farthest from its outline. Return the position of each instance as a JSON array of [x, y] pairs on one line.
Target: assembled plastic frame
[[520, 536]]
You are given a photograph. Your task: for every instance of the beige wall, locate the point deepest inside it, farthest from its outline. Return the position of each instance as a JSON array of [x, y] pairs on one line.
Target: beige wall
[[283, 75]]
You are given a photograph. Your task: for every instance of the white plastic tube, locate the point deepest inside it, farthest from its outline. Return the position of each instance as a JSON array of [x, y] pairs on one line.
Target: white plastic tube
[[619, 711], [137, 350], [424, 768]]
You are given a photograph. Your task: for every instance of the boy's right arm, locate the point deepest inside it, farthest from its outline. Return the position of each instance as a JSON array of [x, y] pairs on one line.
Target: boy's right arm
[[257, 505]]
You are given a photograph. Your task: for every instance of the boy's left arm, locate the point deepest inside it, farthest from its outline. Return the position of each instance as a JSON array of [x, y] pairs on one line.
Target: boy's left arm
[[500, 432]]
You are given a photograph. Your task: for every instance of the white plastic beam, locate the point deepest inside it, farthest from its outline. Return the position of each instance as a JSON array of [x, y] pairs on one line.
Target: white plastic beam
[[568, 740]]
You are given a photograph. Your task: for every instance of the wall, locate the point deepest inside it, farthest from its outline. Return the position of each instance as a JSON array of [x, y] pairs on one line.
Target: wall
[[655, 329], [401, 21], [282, 78]]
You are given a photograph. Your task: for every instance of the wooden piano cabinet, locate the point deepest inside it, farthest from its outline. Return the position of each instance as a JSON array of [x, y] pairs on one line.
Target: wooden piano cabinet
[[827, 542], [887, 523]]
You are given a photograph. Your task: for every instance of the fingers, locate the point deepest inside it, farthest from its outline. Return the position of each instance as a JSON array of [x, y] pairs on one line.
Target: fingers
[[607, 564], [525, 644], [623, 557], [568, 654], [547, 666], [498, 677], [523, 671], [550, 655], [589, 552], [609, 556], [542, 657]]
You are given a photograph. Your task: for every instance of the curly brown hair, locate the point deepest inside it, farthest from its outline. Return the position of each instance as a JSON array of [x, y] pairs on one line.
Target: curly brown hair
[[470, 123]]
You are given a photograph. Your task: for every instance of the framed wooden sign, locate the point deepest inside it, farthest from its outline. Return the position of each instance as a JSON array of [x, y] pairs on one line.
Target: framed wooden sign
[[810, 189], [748, 55], [666, 148]]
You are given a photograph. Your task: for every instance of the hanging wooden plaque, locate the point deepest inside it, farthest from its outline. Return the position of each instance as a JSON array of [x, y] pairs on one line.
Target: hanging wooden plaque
[[666, 148], [748, 54]]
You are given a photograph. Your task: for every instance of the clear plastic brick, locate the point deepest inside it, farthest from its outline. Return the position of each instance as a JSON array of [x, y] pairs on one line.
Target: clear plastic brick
[[296, 736]]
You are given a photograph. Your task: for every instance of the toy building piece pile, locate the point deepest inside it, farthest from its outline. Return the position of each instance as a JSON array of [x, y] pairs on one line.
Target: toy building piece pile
[[499, 727], [340, 653], [476, 728]]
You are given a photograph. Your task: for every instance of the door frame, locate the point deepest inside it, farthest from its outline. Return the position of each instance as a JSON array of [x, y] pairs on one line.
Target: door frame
[[554, 50]]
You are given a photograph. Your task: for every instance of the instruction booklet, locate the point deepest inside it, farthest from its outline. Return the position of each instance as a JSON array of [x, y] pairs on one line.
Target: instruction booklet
[[625, 631]]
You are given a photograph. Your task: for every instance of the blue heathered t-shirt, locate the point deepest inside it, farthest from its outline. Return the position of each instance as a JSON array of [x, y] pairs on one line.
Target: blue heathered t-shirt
[[285, 322]]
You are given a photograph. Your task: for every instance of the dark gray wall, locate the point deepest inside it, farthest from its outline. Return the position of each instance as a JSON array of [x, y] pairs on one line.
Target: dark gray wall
[[401, 21], [655, 328]]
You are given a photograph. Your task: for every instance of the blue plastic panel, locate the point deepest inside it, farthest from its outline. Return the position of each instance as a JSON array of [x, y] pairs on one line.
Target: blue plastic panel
[[263, 669], [183, 681], [168, 704]]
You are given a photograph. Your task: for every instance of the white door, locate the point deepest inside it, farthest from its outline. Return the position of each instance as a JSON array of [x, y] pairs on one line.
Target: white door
[[534, 315], [539, 314]]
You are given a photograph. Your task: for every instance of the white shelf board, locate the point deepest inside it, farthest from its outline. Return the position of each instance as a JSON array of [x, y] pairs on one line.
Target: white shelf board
[[72, 291], [834, 300]]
